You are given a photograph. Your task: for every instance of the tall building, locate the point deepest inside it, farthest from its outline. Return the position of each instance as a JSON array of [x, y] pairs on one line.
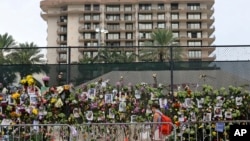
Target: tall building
[[128, 23]]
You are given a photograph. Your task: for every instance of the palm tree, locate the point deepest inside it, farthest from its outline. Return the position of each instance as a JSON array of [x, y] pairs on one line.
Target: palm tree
[[6, 41], [26, 56], [162, 40]]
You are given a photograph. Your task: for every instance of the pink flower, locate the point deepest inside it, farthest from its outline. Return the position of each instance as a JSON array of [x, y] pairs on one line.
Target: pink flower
[[46, 78]]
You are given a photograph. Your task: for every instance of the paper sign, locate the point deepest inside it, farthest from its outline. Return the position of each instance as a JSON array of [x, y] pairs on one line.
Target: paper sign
[[220, 127]]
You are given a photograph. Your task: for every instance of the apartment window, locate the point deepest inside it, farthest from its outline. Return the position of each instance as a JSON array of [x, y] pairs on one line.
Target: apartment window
[[128, 43], [63, 38], [174, 6], [87, 17], [194, 25], [129, 35], [87, 7], [113, 43], [96, 25], [161, 16], [63, 29], [62, 56], [63, 18], [175, 25], [194, 54], [112, 17], [96, 17], [145, 26], [193, 6], [113, 8], [128, 17], [113, 36], [194, 16], [175, 34], [141, 43], [96, 7], [129, 26], [113, 26], [145, 35], [145, 7], [63, 45], [128, 8], [87, 26], [160, 6], [194, 34], [174, 16], [145, 16], [87, 35], [194, 43], [160, 25]]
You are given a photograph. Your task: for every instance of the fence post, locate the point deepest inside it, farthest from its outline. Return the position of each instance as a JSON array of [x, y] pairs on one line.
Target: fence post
[[68, 65], [171, 72]]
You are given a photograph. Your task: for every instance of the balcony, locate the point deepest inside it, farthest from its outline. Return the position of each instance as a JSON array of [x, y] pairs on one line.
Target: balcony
[[62, 22], [60, 41], [61, 50], [62, 31], [113, 11], [145, 19], [145, 10], [86, 29], [113, 20], [61, 59], [88, 49], [83, 39]]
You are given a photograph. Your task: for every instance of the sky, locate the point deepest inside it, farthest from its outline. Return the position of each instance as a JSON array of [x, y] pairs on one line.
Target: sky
[[22, 20]]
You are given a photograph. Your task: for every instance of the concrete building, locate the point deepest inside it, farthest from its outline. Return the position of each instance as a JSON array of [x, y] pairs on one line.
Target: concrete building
[[129, 23]]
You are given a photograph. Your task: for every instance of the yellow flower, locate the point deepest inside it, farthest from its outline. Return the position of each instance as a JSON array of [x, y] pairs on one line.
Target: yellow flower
[[53, 100], [15, 95], [30, 81], [66, 87], [29, 77], [23, 81], [35, 111]]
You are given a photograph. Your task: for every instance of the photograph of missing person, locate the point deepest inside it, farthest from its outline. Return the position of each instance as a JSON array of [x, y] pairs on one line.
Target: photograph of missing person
[[207, 116], [10, 100], [188, 103], [91, 93], [133, 118], [108, 98], [217, 112], [238, 101], [122, 107], [89, 115], [137, 94], [193, 116], [153, 97], [33, 99], [31, 90], [163, 102], [228, 114], [200, 102], [111, 113], [219, 101], [148, 110], [122, 96], [76, 112]]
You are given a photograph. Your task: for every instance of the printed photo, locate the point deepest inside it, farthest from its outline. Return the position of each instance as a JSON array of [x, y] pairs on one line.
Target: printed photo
[[108, 98], [188, 102], [238, 101], [111, 113], [228, 115], [193, 116], [89, 115], [153, 97], [148, 110], [207, 116], [137, 94], [122, 96], [163, 102], [33, 99], [181, 118], [91, 93], [36, 128], [217, 112], [31, 90], [133, 118], [200, 102], [219, 101], [76, 112], [10, 100], [114, 92], [122, 107], [23, 97]]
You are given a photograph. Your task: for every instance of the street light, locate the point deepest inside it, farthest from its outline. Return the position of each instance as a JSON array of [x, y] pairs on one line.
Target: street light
[[99, 31]]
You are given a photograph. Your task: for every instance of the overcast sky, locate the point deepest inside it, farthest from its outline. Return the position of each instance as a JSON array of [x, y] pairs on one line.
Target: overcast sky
[[22, 20]]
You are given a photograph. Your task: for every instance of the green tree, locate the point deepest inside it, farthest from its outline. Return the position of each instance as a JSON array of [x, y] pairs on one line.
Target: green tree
[[7, 75], [159, 49], [27, 59]]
